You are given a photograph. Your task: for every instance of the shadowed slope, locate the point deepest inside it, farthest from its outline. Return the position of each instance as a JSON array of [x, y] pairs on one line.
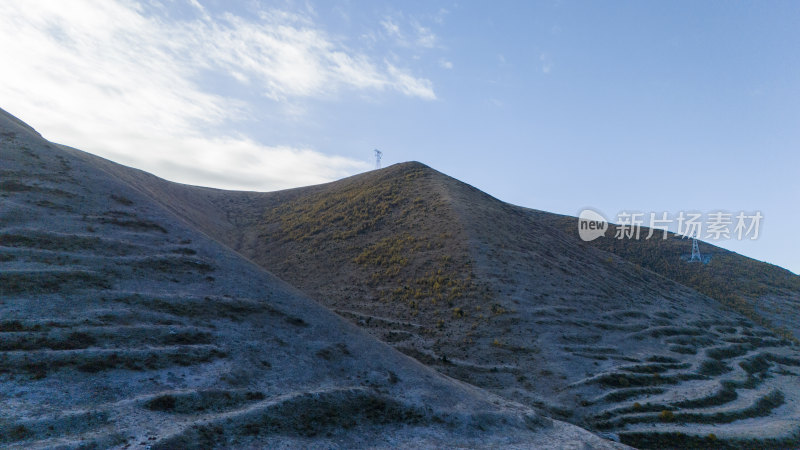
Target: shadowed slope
[[120, 325]]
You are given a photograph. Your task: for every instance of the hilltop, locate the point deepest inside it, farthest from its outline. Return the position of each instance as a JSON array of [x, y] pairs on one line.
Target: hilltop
[[506, 299], [122, 325]]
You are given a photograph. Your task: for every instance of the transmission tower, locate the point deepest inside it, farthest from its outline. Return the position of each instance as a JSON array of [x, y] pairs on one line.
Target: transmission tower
[[378, 155], [695, 251]]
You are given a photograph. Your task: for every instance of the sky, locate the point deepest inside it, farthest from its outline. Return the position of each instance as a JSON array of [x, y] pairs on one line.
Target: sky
[[556, 105]]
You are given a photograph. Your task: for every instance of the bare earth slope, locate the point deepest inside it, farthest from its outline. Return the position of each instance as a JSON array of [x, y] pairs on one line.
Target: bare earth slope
[[499, 297], [122, 326]]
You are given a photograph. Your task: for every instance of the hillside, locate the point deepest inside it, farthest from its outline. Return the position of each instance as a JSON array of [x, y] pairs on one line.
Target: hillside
[[122, 326], [768, 294], [497, 296]]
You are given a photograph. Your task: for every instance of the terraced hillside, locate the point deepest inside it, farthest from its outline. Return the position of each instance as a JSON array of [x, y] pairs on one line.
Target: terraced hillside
[[611, 334], [492, 294], [768, 294], [120, 326]]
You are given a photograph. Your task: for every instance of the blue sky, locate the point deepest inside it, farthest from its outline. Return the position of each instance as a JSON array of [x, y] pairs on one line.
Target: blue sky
[[557, 105]]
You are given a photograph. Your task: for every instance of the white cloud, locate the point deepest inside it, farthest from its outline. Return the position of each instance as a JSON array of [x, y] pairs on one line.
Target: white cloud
[[290, 58], [417, 36], [255, 165], [391, 27], [410, 85], [547, 63], [445, 64], [425, 37], [439, 17], [115, 79]]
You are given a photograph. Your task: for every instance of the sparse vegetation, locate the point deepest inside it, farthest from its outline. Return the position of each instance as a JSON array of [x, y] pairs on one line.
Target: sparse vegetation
[[184, 251], [202, 401], [15, 433], [663, 359], [44, 282], [389, 254], [654, 368], [146, 360], [762, 407], [340, 215], [713, 367], [683, 349], [207, 307], [307, 415], [135, 224], [418, 269], [785, 360], [756, 364], [726, 394], [64, 243], [334, 352], [16, 325], [728, 352], [72, 341], [18, 186], [626, 380], [662, 440], [676, 331], [174, 265], [625, 394], [122, 200]]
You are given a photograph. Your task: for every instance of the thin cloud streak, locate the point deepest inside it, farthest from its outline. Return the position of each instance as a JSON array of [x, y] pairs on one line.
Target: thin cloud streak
[[416, 35]]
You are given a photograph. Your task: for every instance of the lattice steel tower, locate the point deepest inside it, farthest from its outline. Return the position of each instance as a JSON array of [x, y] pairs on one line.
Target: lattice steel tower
[[378, 155], [695, 251]]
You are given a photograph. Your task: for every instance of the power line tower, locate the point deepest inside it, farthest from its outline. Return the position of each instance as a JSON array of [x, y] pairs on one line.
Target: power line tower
[[695, 251], [378, 155]]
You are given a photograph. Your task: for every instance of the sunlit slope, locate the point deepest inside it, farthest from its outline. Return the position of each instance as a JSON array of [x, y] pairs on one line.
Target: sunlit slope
[[122, 326], [495, 295]]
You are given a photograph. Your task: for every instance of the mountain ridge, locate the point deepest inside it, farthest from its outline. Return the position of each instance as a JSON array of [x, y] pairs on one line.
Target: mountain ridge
[[372, 247], [507, 299], [122, 326]]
